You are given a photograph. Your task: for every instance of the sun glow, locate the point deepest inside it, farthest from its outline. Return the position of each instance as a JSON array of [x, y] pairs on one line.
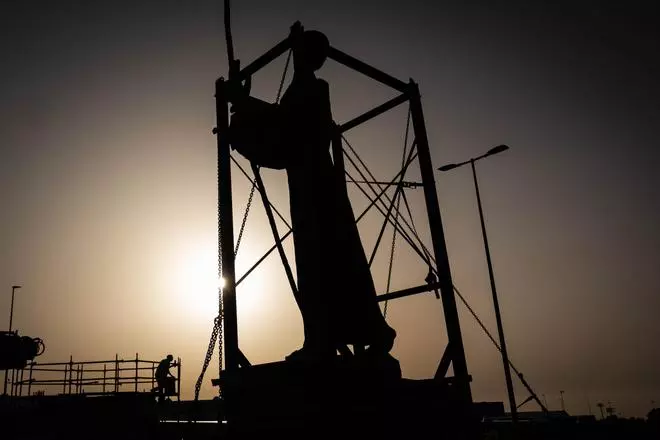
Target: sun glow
[[198, 284]]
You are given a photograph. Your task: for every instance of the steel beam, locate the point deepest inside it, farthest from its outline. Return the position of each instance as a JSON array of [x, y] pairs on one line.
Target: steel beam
[[439, 246], [276, 236], [445, 362], [226, 231], [408, 292], [265, 59], [365, 69], [376, 111]]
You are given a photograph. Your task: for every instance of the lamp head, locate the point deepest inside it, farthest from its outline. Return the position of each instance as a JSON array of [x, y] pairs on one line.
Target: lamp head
[[497, 149], [449, 166]]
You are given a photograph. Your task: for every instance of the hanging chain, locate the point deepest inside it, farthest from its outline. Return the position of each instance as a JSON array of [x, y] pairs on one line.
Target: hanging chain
[[247, 210], [209, 354], [389, 271], [396, 218], [217, 333], [286, 69]]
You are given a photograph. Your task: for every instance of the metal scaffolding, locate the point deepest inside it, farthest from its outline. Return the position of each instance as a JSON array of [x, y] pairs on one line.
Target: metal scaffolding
[[90, 378], [436, 258]]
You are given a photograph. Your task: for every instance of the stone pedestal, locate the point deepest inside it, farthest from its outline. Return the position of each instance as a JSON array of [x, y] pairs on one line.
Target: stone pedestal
[[347, 397]]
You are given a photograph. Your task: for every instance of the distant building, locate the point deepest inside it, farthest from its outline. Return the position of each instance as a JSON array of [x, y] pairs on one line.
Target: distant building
[[536, 417]]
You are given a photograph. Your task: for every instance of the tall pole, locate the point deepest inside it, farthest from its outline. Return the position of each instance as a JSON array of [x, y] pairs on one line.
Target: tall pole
[[226, 232], [454, 336], [496, 304], [11, 319]]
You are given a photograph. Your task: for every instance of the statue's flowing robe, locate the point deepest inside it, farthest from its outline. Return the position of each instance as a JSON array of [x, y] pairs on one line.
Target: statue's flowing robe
[[333, 276]]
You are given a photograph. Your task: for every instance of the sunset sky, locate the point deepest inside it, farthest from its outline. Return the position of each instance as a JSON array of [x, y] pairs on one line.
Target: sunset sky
[[108, 182]]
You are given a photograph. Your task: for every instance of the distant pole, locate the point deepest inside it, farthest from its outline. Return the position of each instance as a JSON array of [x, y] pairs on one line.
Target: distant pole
[[11, 309], [498, 317], [545, 400], [496, 304], [561, 396], [11, 319]]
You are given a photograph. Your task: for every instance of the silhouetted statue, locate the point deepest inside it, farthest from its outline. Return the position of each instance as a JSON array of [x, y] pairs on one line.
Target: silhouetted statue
[[164, 379], [338, 303]]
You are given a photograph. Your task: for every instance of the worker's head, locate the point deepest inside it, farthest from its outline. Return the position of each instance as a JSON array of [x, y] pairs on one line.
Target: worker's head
[[311, 51], [170, 357]]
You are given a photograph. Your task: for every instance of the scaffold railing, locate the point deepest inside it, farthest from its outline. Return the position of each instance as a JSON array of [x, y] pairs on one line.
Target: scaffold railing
[[91, 378]]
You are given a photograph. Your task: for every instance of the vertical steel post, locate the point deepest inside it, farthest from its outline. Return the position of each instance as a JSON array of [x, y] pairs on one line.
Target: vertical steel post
[[104, 375], [136, 372], [29, 391], [226, 231], [178, 379], [11, 319], [70, 372], [116, 372], [64, 381], [79, 377], [439, 246]]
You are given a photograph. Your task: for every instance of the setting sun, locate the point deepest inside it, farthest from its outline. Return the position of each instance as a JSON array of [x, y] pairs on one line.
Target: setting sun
[[196, 278]]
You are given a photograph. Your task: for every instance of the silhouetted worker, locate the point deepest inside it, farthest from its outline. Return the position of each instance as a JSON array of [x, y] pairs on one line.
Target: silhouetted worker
[[164, 379], [338, 303]]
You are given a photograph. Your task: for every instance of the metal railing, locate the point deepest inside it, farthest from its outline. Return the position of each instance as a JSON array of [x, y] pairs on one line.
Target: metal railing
[[89, 377]]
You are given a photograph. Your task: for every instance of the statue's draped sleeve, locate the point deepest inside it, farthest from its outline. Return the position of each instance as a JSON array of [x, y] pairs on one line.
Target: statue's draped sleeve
[[283, 135]]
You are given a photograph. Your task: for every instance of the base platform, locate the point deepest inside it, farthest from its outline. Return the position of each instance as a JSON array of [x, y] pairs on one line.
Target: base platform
[[347, 397]]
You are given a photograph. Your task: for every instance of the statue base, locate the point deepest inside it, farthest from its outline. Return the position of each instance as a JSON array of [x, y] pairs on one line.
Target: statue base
[[350, 396]]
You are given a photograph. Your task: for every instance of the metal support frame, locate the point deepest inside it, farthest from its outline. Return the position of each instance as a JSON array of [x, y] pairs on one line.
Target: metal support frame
[[226, 232], [454, 352], [459, 362]]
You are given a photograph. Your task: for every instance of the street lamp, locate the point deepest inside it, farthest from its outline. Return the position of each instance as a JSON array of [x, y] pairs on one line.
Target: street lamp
[[500, 330], [11, 318]]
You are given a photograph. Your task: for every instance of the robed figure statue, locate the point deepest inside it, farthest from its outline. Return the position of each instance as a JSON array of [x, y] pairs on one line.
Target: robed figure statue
[[338, 297]]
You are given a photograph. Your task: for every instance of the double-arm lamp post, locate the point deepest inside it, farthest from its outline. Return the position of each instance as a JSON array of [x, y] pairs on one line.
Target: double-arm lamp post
[[500, 330]]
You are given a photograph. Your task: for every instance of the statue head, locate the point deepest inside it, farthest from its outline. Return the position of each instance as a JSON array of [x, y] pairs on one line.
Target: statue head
[[311, 51]]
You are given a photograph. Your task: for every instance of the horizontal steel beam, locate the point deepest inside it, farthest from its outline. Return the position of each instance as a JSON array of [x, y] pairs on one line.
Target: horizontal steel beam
[[365, 69], [408, 292], [265, 59], [377, 111]]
